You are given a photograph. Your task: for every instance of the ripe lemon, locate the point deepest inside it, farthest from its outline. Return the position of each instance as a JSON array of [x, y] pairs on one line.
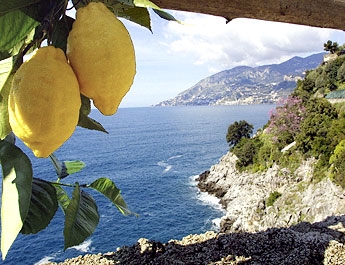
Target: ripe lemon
[[102, 56], [44, 101]]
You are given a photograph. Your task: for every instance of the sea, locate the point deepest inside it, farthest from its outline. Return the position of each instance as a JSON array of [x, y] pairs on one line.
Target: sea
[[153, 154]]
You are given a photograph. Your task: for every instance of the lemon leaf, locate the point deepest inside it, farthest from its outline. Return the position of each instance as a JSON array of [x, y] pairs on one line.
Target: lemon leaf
[[109, 190], [165, 15], [42, 208], [62, 197], [73, 166], [15, 26], [81, 218], [16, 192], [7, 6], [137, 15], [85, 105], [148, 4], [5, 81], [89, 123]]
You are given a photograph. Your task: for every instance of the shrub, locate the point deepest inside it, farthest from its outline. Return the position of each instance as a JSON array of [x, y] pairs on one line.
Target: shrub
[[314, 138], [272, 198], [246, 151], [337, 164]]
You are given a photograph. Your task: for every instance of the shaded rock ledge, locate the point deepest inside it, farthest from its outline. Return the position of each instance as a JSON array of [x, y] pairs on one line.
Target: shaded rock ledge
[[320, 243], [305, 225]]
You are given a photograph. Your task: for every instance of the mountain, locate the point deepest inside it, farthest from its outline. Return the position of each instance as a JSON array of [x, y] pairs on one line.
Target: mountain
[[247, 85]]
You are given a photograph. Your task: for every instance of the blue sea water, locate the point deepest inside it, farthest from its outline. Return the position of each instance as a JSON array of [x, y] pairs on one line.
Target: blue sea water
[[153, 155]]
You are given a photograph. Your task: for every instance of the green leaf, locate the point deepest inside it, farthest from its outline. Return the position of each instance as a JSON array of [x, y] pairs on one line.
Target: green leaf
[[165, 15], [84, 120], [63, 169], [15, 28], [85, 105], [61, 31], [60, 170], [5, 85], [81, 218], [89, 123], [156, 9], [16, 192], [145, 3], [109, 190], [43, 207], [137, 15], [62, 197], [7, 6], [73, 166]]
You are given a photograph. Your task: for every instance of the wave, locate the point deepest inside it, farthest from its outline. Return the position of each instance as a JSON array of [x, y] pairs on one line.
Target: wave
[[167, 167], [174, 157], [45, 260], [204, 197], [216, 224], [209, 200], [84, 247]]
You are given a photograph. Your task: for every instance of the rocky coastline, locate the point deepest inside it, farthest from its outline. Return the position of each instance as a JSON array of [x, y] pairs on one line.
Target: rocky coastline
[[245, 196], [303, 225]]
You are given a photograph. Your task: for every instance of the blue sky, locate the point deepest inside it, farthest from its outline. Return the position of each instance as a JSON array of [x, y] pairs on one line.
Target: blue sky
[[176, 56]]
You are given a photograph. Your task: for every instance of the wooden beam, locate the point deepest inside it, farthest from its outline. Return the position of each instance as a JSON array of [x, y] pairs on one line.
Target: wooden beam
[[317, 13]]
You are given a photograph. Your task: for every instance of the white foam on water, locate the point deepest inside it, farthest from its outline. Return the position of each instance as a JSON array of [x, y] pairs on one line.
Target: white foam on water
[[45, 260], [204, 197], [167, 167], [174, 157], [216, 224], [209, 200], [84, 247]]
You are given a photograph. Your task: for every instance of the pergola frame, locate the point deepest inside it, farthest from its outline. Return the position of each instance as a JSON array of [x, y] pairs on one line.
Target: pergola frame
[[317, 13]]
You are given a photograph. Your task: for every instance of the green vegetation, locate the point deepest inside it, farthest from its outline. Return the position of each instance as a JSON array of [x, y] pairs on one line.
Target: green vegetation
[[307, 123], [272, 198], [237, 131]]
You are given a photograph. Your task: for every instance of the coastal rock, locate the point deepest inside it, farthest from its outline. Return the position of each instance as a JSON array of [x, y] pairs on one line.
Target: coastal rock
[[245, 196], [319, 243]]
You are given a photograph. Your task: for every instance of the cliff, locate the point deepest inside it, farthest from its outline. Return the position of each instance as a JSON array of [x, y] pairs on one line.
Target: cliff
[[246, 196]]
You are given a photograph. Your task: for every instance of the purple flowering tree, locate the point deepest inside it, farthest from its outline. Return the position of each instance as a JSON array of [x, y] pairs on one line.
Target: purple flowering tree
[[285, 120]]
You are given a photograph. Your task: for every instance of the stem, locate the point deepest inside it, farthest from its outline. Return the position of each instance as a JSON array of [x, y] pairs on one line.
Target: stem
[[68, 185], [56, 163], [63, 184]]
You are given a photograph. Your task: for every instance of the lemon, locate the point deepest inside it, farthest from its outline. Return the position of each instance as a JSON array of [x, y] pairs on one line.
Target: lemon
[[44, 101], [101, 53]]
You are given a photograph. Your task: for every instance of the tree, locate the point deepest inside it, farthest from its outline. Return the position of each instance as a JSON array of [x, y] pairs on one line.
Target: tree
[[29, 203], [246, 151], [314, 138], [285, 121], [237, 131], [331, 47]]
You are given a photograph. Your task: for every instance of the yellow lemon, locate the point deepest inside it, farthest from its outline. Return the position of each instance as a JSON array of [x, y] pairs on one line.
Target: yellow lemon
[[44, 101], [102, 56]]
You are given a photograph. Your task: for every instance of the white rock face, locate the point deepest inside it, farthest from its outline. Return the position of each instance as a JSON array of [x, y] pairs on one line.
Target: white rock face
[[245, 196]]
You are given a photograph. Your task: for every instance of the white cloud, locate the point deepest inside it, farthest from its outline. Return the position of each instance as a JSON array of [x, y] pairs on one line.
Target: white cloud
[[210, 41]]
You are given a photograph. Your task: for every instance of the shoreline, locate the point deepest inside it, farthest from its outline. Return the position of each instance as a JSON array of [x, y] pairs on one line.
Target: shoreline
[[243, 238]]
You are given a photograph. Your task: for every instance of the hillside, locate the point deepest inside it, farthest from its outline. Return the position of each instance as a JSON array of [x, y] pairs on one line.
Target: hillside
[[292, 170], [247, 85]]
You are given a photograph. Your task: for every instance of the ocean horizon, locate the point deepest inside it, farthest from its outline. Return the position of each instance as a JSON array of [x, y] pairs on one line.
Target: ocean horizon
[[153, 154]]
